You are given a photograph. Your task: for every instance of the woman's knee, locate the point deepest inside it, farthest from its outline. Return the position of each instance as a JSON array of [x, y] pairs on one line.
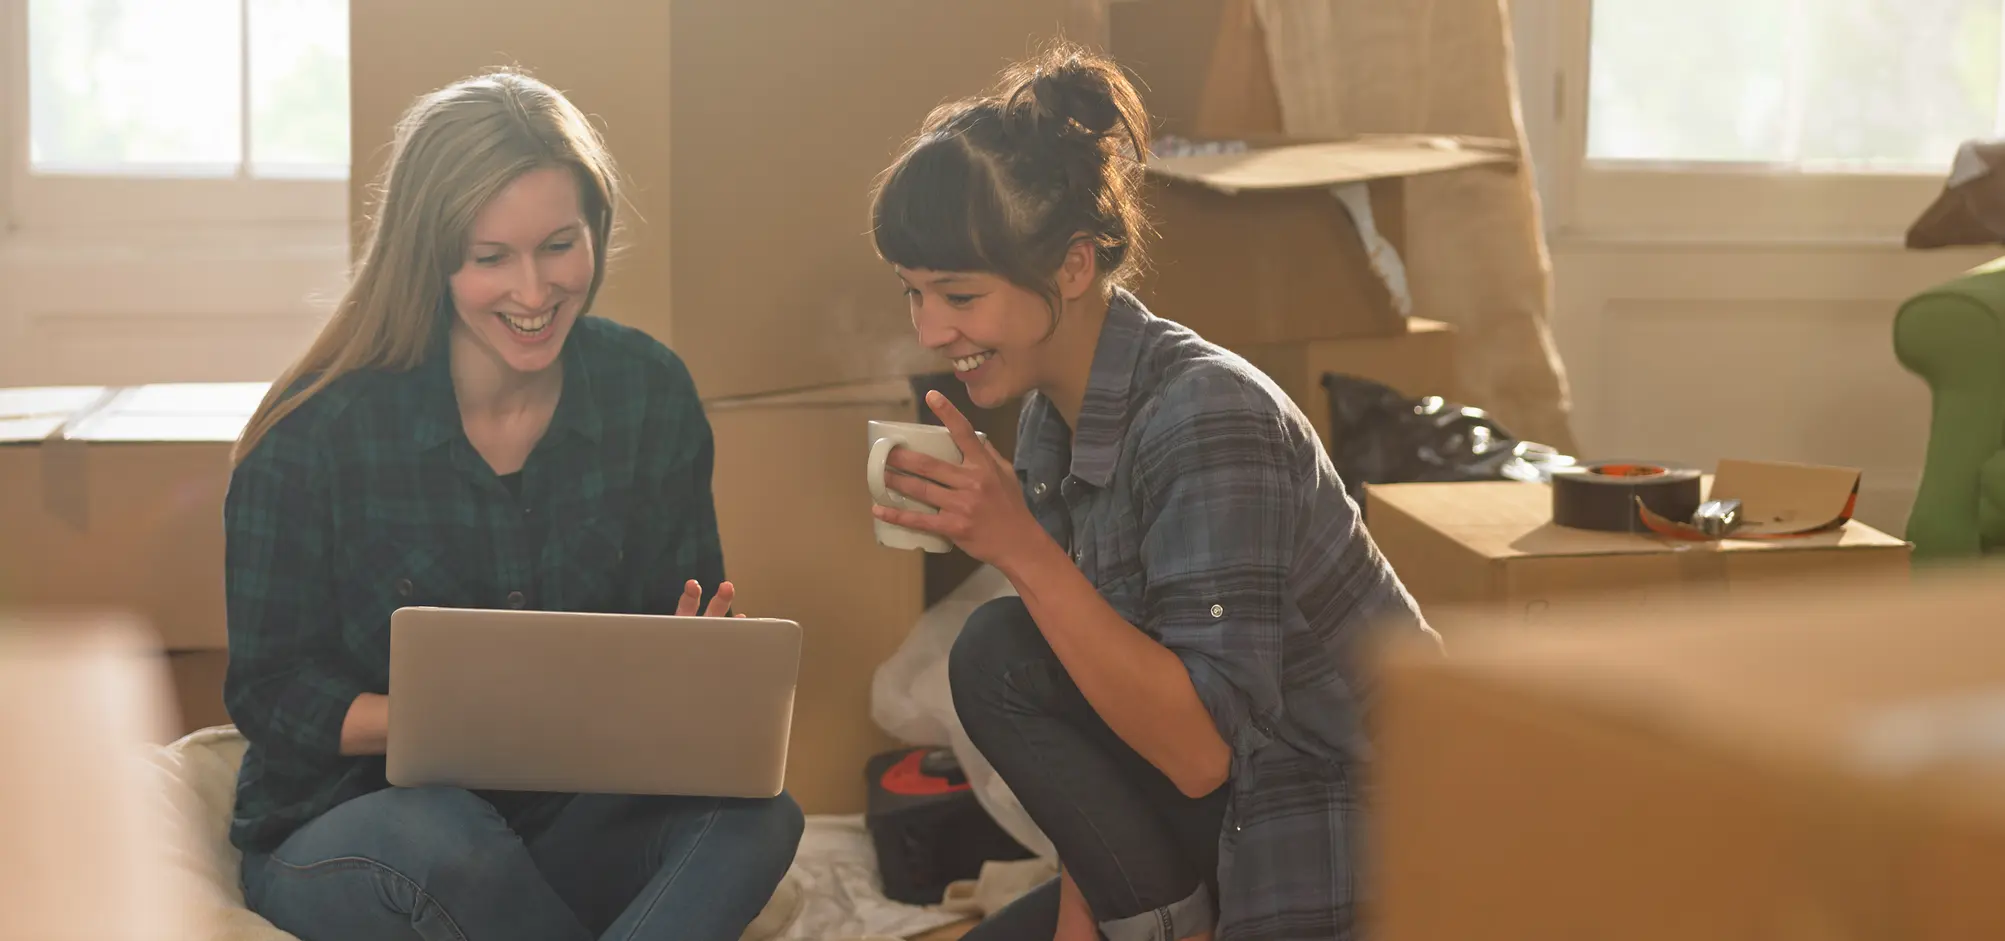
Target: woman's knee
[[422, 832], [997, 636], [769, 829]]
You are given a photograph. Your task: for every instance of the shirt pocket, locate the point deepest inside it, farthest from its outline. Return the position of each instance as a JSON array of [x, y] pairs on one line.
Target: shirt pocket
[[586, 566], [396, 573], [382, 577]]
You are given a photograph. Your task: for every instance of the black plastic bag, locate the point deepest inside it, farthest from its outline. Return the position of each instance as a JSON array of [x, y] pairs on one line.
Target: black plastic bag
[[1378, 436]]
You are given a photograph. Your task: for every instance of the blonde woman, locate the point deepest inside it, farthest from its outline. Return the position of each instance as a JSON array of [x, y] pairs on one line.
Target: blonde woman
[[463, 434]]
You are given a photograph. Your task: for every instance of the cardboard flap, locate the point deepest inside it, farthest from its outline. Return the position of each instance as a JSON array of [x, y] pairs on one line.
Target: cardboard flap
[[34, 414], [1777, 499], [892, 392], [1787, 498], [1322, 164], [174, 412]]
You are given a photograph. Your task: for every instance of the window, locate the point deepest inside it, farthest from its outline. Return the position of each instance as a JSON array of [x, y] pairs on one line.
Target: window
[[178, 111], [1832, 85], [1790, 119]]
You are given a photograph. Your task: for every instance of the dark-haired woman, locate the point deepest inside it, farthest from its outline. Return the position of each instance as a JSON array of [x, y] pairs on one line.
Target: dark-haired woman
[[1177, 696]]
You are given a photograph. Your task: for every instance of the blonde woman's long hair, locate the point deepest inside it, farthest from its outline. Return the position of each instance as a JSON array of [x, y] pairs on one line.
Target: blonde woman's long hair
[[454, 150]]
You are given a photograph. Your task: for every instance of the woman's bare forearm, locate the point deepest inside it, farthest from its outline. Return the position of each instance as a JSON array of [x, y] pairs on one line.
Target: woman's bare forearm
[[366, 730]]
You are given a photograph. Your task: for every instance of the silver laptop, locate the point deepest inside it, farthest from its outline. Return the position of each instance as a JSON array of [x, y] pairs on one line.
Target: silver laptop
[[591, 703]]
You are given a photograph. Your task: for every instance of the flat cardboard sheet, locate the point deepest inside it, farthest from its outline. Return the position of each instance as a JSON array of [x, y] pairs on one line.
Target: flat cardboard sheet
[[1320, 164], [30, 415]]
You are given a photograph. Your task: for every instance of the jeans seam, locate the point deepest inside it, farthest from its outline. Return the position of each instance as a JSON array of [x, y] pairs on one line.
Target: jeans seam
[[709, 821], [346, 863], [1009, 674]]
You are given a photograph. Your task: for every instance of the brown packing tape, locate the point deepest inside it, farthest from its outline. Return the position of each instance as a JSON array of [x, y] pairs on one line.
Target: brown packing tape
[[65, 476], [1608, 495], [65, 481]]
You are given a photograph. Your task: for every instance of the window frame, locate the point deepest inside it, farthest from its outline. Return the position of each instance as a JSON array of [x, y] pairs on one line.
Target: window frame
[[1699, 201], [72, 204]]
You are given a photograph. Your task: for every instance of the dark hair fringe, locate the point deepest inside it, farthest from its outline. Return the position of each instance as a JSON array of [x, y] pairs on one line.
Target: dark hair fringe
[[1006, 183]]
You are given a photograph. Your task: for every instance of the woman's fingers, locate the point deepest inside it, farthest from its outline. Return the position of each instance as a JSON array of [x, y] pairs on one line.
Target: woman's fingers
[[692, 595], [925, 465], [720, 603]]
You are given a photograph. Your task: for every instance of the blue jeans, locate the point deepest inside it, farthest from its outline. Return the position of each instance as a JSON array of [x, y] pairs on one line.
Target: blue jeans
[[1144, 855], [447, 864]]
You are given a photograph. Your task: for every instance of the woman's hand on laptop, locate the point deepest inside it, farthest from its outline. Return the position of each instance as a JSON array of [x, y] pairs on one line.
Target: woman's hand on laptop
[[720, 603]]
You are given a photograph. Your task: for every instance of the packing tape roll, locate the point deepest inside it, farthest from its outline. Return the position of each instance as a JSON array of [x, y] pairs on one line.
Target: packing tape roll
[[1603, 495]]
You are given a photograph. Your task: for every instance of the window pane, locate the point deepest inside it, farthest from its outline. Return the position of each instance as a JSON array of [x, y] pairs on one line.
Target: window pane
[[134, 86], [299, 88], [1882, 85]]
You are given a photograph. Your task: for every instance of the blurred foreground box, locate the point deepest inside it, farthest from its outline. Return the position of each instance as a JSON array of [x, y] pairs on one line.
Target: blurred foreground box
[[1789, 765]]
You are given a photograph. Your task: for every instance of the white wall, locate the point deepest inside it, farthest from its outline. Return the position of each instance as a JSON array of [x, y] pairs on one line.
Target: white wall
[[134, 306]]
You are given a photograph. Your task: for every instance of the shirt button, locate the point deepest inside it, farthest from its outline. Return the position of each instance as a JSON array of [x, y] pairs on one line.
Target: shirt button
[[1078, 555], [403, 587], [1038, 491], [516, 599], [1218, 610]]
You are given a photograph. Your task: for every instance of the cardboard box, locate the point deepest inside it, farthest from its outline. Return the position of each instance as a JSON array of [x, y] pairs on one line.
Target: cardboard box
[[1419, 361], [1488, 553], [794, 514], [1795, 766], [1202, 65], [1252, 248], [118, 503], [751, 132], [799, 543], [1255, 247], [198, 688]]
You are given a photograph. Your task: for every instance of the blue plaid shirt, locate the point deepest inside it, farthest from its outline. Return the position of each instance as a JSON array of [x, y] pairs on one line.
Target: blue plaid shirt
[[369, 497], [1200, 502]]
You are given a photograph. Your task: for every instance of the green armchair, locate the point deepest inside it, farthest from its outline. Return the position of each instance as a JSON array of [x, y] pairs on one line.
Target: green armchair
[[1953, 337]]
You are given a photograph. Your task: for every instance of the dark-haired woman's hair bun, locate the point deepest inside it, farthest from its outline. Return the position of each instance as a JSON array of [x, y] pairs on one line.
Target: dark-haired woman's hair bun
[[1070, 94]]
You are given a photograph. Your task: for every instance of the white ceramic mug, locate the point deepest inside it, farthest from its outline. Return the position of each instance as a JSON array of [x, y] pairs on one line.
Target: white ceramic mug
[[932, 440]]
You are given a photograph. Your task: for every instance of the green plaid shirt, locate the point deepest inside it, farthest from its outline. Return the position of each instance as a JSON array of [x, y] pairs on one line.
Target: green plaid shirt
[[370, 498]]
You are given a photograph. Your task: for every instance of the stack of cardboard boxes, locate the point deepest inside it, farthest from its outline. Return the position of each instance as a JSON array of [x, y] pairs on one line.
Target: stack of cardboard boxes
[[1287, 252]]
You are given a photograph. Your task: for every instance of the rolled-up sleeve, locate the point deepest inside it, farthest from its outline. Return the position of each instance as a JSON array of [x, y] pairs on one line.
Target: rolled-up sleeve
[[286, 688], [1214, 468]]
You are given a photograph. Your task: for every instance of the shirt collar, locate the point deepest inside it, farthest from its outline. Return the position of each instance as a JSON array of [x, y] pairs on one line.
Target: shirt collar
[[436, 414], [1103, 416]]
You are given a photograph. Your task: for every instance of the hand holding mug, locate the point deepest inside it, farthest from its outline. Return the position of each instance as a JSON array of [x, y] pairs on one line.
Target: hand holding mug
[[978, 500]]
